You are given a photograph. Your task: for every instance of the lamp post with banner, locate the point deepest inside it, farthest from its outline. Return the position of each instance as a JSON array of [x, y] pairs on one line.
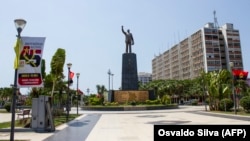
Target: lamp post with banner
[[67, 102], [20, 24]]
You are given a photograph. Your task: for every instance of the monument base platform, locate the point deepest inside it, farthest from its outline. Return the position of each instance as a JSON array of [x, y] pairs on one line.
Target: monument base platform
[[129, 108], [128, 96]]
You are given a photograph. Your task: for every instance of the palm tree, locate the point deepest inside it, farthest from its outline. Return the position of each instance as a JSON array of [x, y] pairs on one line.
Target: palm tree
[[57, 63], [218, 86], [170, 86], [6, 93], [100, 90]]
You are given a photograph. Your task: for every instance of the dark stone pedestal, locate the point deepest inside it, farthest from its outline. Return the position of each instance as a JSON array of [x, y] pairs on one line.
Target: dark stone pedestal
[[129, 72]]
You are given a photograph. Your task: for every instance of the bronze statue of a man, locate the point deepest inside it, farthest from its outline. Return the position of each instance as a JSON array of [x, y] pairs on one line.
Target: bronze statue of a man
[[129, 40]]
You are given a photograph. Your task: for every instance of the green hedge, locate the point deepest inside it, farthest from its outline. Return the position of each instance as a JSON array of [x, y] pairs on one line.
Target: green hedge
[[226, 104], [245, 103], [7, 106]]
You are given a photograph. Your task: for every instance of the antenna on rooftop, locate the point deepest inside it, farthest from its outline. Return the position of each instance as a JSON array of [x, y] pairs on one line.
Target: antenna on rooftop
[[216, 25]]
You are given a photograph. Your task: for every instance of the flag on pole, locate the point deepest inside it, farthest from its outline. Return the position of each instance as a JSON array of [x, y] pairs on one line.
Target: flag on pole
[[71, 75], [240, 74], [80, 92], [17, 51]]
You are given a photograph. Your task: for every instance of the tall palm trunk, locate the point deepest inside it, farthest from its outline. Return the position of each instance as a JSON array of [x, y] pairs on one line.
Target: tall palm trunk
[[52, 95]]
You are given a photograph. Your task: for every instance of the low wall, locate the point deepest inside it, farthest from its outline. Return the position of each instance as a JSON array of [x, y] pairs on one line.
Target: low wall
[[129, 108], [129, 96]]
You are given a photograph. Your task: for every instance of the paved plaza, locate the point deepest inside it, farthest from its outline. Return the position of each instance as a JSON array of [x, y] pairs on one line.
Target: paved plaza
[[123, 125]]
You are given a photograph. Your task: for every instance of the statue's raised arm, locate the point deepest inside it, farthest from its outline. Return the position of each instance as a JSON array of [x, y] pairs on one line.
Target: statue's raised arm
[[123, 31]]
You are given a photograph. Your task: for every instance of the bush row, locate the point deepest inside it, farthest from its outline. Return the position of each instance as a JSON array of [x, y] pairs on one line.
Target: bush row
[[227, 104]]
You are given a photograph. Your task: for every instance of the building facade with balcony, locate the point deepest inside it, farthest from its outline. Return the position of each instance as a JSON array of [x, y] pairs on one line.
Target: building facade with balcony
[[210, 48]]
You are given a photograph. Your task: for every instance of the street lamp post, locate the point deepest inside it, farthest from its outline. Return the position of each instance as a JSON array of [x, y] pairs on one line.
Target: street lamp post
[[109, 73], [204, 91], [112, 80], [20, 24], [67, 103], [77, 92], [88, 90], [234, 95]]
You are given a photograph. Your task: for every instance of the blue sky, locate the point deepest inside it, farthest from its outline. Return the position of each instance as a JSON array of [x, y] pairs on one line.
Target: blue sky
[[90, 32]]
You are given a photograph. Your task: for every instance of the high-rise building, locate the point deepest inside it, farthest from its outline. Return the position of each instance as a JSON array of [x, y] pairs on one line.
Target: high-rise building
[[210, 48], [144, 77]]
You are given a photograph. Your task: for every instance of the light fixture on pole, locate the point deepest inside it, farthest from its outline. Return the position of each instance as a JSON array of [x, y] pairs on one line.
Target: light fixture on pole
[[77, 91], [67, 103], [20, 24], [234, 95]]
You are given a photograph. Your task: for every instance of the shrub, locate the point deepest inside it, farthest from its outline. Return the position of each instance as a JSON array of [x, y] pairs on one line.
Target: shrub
[[58, 112], [7, 106], [153, 102], [165, 99], [133, 103], [94, 101], [194, 102], [226, 104], [245, 103], [28, 101], [111, 103]]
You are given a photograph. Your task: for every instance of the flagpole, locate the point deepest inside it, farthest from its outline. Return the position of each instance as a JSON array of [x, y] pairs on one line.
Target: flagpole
[[77, 91], [234, 95]]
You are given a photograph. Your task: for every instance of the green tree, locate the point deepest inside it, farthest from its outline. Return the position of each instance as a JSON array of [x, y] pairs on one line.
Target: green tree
[[43, 68], [218, 87], [100, 90], [56, 73], [5, 93]]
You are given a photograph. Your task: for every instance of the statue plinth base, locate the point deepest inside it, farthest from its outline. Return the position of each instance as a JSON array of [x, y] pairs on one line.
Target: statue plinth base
[[128, 96], [129, 91], [129, 72]]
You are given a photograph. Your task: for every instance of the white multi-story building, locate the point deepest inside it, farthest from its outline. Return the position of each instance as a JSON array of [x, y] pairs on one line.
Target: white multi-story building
[[144, 77], [210, 48]]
